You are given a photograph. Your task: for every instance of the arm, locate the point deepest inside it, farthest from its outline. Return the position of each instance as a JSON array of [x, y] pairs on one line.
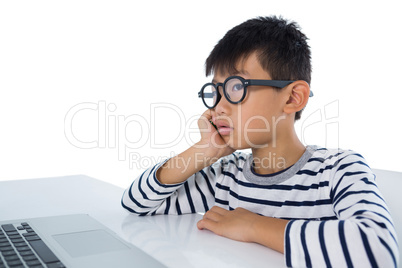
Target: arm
[[363, 235], [243, 225], [208, 150], [183, 184]]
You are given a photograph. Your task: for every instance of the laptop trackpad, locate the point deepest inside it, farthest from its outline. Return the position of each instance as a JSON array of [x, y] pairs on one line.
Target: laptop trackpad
[[89, 243]]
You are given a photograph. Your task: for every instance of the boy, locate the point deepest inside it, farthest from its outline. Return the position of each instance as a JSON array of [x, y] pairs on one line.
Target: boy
[[319, 207]]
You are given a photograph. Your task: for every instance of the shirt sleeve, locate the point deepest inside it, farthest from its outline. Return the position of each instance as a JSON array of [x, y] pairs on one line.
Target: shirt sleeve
[[362, 236], [147, 196]]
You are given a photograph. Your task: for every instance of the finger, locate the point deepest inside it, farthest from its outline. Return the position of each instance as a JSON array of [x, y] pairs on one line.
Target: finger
[[219, 210], [204, 121], [206, 224], [207, 114], [212, 215]]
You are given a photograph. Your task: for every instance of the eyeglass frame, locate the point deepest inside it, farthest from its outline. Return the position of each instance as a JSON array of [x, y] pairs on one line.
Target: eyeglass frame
[[246, 83]]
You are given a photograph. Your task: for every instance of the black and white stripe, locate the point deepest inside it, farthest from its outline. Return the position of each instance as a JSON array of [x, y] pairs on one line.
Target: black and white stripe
[[337, 215]]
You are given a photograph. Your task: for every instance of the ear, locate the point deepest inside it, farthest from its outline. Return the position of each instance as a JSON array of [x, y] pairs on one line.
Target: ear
[[299, 92]]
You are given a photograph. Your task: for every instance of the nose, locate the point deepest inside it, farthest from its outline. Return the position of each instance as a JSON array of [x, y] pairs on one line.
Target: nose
[[223, 106]]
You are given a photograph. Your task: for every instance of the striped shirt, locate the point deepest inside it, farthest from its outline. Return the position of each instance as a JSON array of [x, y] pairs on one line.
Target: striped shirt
[[337, 215]]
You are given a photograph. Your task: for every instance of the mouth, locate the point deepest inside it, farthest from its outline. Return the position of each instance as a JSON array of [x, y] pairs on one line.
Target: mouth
[[223, 128]]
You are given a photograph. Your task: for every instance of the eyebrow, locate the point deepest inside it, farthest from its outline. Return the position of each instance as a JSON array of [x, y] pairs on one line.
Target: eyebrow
[[239, 73]]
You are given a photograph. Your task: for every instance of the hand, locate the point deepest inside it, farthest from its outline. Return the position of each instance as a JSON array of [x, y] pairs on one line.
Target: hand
[[236, 224], [246, 226], [200, 155], [211, 139]]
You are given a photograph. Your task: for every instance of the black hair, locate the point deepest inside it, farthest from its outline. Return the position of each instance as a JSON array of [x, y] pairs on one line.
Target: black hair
[[281, 48]]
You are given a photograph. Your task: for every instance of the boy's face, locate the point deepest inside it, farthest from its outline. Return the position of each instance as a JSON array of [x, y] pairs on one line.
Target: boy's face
[[254, 122]]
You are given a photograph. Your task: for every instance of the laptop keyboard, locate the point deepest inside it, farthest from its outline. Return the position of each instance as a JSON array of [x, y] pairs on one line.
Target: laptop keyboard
[[22, 247]]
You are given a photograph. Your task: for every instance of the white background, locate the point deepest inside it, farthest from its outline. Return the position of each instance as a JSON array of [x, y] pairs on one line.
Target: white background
[[136, 68]]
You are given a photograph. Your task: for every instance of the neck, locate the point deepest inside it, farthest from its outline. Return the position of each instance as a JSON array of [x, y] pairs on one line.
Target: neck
[[274, 157]]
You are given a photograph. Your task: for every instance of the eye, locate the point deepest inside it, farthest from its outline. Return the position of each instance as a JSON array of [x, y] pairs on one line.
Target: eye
[[237, 87]]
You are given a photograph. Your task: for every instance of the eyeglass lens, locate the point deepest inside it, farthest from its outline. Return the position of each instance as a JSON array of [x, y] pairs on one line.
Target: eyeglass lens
[[234, 90], [210, 95]]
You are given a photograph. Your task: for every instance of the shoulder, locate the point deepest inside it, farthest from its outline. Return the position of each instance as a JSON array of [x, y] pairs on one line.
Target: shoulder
[[338, 159], [340, 166], [236, 159]]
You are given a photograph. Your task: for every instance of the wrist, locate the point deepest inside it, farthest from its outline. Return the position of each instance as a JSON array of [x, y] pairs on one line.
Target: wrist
[[207, 153], [254, 230], [269, 232]]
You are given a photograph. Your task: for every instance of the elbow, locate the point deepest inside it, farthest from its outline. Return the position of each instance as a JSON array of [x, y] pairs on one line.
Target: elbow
[[381, 248], [387, 252], [132, 208], [133, 211]]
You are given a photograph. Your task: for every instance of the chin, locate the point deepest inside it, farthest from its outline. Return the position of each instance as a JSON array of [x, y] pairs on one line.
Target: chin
[[237, 145], [246, 145]]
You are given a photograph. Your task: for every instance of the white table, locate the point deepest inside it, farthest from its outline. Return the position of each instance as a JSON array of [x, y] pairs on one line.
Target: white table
[[173, 240]]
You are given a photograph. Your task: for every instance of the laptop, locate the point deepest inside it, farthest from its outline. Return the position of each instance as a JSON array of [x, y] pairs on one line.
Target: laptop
[[76, 240]]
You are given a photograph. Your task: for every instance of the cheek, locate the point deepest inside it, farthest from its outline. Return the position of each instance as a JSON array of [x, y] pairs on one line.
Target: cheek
[[254, 130], [256, 124], [256, 117]]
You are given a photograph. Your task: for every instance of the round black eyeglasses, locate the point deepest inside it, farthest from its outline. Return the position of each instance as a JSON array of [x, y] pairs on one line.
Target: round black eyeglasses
[[235, 89]]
